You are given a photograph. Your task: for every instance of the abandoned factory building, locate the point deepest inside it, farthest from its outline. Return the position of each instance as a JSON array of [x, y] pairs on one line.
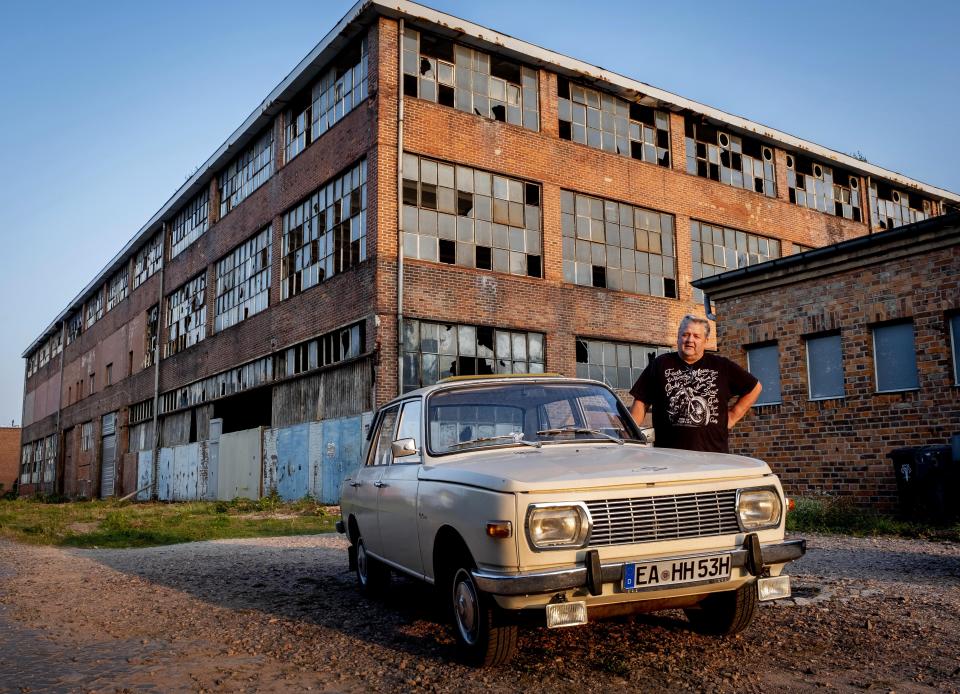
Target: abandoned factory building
[[857, 345], [420, 197]]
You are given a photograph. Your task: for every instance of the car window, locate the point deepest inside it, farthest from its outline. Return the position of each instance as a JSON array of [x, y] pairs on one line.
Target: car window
[[410, 428], [384, 437]]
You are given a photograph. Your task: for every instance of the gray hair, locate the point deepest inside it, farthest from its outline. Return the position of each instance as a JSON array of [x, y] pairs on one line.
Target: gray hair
[[690, 318]]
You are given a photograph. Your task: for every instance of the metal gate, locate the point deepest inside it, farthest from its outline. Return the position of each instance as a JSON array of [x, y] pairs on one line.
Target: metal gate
[[108, 458]]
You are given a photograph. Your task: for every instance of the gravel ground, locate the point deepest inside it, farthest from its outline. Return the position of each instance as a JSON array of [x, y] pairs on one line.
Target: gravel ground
[[282, 614]]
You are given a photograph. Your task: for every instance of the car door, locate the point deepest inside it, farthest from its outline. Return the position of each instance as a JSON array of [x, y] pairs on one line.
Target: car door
[[398, 496], [365, 485]]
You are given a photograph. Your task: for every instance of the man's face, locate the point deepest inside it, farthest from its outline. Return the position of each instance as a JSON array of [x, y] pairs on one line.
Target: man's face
[[691, 342]]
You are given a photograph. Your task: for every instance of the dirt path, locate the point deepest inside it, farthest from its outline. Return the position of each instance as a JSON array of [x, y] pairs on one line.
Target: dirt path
[[282, 614]]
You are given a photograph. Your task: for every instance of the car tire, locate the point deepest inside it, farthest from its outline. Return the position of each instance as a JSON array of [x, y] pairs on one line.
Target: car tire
[[372, 575], [485, 636], [725, 614]]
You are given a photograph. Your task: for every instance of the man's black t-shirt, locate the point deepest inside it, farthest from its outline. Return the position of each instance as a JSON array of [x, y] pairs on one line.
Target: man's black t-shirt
[[689, 401]]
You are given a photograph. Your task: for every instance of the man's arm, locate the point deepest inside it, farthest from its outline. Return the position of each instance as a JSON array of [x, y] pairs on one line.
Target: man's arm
[[742, 405], [638, 410]]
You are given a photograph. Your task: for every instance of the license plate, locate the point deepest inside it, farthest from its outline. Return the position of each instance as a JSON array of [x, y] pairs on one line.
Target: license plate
[[672, 572]]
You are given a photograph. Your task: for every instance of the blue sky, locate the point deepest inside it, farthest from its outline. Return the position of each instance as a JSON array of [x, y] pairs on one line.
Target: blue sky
[[109, 106]]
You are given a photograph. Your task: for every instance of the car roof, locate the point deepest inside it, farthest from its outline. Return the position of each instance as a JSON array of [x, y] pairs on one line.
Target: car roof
[[460, 382]]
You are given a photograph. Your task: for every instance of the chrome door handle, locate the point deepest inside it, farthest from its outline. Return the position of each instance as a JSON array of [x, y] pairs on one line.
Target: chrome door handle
[[356, 484], [379, 484]]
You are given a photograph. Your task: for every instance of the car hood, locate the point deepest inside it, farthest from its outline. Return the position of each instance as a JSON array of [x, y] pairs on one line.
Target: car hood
[[586, 465]]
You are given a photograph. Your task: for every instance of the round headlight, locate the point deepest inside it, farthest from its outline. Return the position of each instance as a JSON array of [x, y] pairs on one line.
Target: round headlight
[[555, 526], [758, 508]]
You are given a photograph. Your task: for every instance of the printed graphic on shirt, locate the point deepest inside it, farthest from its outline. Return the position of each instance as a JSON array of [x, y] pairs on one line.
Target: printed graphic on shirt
[[692, 396]]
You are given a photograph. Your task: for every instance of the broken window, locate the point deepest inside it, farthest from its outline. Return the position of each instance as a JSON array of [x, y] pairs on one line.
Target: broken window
[[141, 411], [732, 159], [117, 287], [618, 364], [432, 351], [617, 246], [341, 88], [243, 281], [607, 122], [86, 436], [74, 326], [32, 364], [331, 348], [186, 316], [108, 375], [247, 172], [488, 85], [326, 233], [149, 259], [820, 187], [94, 308], [245, 377], [800, 248], [716, 249], [892, 207], [150, 335], [463, 216], [190, 222]]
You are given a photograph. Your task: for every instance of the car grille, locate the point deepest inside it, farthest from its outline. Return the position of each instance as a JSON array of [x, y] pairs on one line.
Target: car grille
[[652, 518]]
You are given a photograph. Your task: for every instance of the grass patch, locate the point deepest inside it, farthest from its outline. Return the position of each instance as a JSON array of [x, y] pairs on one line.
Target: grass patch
[[837, 515], [117, 524]]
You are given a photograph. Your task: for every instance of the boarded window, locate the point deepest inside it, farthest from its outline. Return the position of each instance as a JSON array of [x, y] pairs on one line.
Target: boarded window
[[895, 358], [825, 367], [764, 362]]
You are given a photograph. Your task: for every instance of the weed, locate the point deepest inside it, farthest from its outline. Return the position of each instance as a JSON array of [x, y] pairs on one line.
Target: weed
[[833, 514]]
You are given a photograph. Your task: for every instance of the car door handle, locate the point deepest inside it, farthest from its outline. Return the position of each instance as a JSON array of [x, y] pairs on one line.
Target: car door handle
[[356, 484], [379, 484]]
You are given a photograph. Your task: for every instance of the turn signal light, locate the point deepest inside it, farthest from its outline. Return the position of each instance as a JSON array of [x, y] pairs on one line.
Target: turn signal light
[[791, 504], [500, 529]]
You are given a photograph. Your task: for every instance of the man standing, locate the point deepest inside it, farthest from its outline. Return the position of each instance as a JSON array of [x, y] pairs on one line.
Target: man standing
[[689, 392]]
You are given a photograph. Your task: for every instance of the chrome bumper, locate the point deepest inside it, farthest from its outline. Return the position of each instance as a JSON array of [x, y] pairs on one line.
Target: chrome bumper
[[593, 574]]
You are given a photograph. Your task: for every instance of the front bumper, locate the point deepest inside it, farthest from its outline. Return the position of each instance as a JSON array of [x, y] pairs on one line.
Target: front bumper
[[753, 557]]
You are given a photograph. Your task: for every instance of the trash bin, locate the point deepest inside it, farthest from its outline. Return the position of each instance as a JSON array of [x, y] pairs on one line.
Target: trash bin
[[925, 476]]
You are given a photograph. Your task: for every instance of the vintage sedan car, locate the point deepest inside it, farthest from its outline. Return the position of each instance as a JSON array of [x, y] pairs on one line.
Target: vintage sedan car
[[538, 495]]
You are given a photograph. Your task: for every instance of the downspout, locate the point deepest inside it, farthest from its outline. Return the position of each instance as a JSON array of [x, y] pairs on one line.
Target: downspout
[[399, 209], [63, 348], [154, 488]]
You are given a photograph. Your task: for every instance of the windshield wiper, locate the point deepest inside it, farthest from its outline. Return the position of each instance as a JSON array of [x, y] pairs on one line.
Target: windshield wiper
[[515, 437], [580, 430]]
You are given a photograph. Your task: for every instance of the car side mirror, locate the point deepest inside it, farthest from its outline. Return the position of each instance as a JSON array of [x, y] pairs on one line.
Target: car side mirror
[[402, 448]]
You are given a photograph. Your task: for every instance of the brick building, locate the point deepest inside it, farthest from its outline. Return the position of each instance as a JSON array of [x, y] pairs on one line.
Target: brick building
[[858, 348], [412, 201]]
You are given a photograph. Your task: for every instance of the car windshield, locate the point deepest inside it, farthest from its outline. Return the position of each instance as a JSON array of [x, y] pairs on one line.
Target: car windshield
[[531, 414]]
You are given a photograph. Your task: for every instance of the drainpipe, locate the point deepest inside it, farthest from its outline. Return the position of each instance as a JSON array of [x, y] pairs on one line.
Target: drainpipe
[[399, 210], [63, 348], [154, 489]]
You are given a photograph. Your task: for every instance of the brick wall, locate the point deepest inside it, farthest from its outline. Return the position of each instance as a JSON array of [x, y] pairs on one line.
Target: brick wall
[[9, 457], [840, 446]]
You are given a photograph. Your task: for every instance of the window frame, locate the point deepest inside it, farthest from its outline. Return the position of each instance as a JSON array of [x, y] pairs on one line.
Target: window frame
[[953, 325]]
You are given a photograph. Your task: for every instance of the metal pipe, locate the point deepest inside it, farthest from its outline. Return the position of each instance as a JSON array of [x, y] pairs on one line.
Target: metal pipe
[[63, 348], [399, 210], [156, 373]]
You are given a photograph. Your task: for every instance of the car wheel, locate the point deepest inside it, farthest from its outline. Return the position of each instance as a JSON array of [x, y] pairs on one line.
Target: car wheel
[[372, 575], [723, 614], [484, 636]]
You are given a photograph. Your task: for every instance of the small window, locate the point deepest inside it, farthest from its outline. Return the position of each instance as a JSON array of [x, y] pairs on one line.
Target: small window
[[894, 357], [384, 438], [955, 342], [108, 375], [410, 428], [764, 363], [825, 367]]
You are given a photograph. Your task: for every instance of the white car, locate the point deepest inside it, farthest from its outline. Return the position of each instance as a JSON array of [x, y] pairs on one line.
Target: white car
[[538, 495]]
